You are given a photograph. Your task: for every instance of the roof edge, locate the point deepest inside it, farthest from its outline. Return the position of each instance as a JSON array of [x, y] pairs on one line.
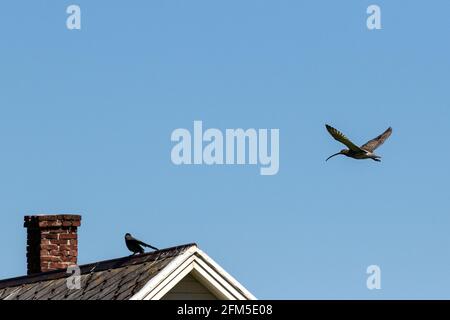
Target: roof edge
[[228, 277], [94, 266]]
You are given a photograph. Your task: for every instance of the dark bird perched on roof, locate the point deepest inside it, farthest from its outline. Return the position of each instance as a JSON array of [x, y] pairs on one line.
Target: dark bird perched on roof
[[135, 245], [355, 152]]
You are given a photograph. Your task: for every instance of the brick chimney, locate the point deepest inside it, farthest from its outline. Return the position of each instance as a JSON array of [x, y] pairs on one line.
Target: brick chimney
[[52, 241]]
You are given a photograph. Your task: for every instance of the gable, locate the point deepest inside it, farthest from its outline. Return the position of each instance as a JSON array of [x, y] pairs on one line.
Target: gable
[[189, 288], [203, 274]]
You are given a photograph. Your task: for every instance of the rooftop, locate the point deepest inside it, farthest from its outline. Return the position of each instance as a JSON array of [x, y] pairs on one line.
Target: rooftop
[[117, 279]]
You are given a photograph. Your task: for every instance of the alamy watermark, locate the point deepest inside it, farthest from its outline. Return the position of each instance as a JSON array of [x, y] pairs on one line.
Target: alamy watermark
[[374, 20], [374, 280], [234, 147], [73, 282], [73, 21]]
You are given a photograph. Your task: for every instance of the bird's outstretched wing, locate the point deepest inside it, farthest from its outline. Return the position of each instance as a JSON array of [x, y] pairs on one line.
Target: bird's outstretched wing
[[339, 136], [378, 141]]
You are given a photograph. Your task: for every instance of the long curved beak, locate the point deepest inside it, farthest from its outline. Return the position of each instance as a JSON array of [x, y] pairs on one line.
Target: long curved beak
[[336, 154]]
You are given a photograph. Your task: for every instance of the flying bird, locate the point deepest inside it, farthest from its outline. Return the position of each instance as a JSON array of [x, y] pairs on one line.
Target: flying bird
[[135, 245], [366, 151]]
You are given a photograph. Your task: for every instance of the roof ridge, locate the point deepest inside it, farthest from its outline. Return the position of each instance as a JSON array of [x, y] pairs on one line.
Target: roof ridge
[[97, 266]]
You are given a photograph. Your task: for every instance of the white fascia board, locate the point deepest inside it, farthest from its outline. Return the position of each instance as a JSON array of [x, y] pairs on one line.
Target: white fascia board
[[224, 277]]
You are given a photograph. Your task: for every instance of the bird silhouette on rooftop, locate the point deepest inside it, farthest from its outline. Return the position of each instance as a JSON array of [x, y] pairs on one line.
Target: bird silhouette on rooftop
[[135, 245], [366, 151]]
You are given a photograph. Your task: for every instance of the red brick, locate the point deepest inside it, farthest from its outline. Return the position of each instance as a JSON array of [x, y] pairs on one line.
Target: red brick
[[43, 224], [50, 217], [73, 253], [72, 217], [49, 247], [68, 259], [57, 265], [67, 236], [56, 223], [50, 236], [50, 259], [58, 231], [65, 253], [60, 242]]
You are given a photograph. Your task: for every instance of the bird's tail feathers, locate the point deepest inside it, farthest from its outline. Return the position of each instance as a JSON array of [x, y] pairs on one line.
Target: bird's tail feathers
[[149, 246]]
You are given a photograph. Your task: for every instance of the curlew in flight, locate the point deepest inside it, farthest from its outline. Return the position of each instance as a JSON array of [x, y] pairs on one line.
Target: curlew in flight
[[355, 152]]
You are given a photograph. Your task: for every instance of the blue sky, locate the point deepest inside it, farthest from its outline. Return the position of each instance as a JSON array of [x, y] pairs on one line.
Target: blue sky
[[86, 118]]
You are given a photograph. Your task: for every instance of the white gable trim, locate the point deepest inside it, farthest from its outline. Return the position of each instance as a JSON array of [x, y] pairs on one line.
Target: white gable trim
[[203, 268]]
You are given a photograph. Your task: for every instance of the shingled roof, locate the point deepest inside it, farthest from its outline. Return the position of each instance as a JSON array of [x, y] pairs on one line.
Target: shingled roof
[[117, 279], [182, 272]]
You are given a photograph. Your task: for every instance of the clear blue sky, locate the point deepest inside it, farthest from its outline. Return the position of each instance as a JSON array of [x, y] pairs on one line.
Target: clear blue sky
[[86, 118]]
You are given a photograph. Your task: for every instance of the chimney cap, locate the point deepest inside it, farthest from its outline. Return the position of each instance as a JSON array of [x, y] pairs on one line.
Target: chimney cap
[[52, 220], [47, 217]]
